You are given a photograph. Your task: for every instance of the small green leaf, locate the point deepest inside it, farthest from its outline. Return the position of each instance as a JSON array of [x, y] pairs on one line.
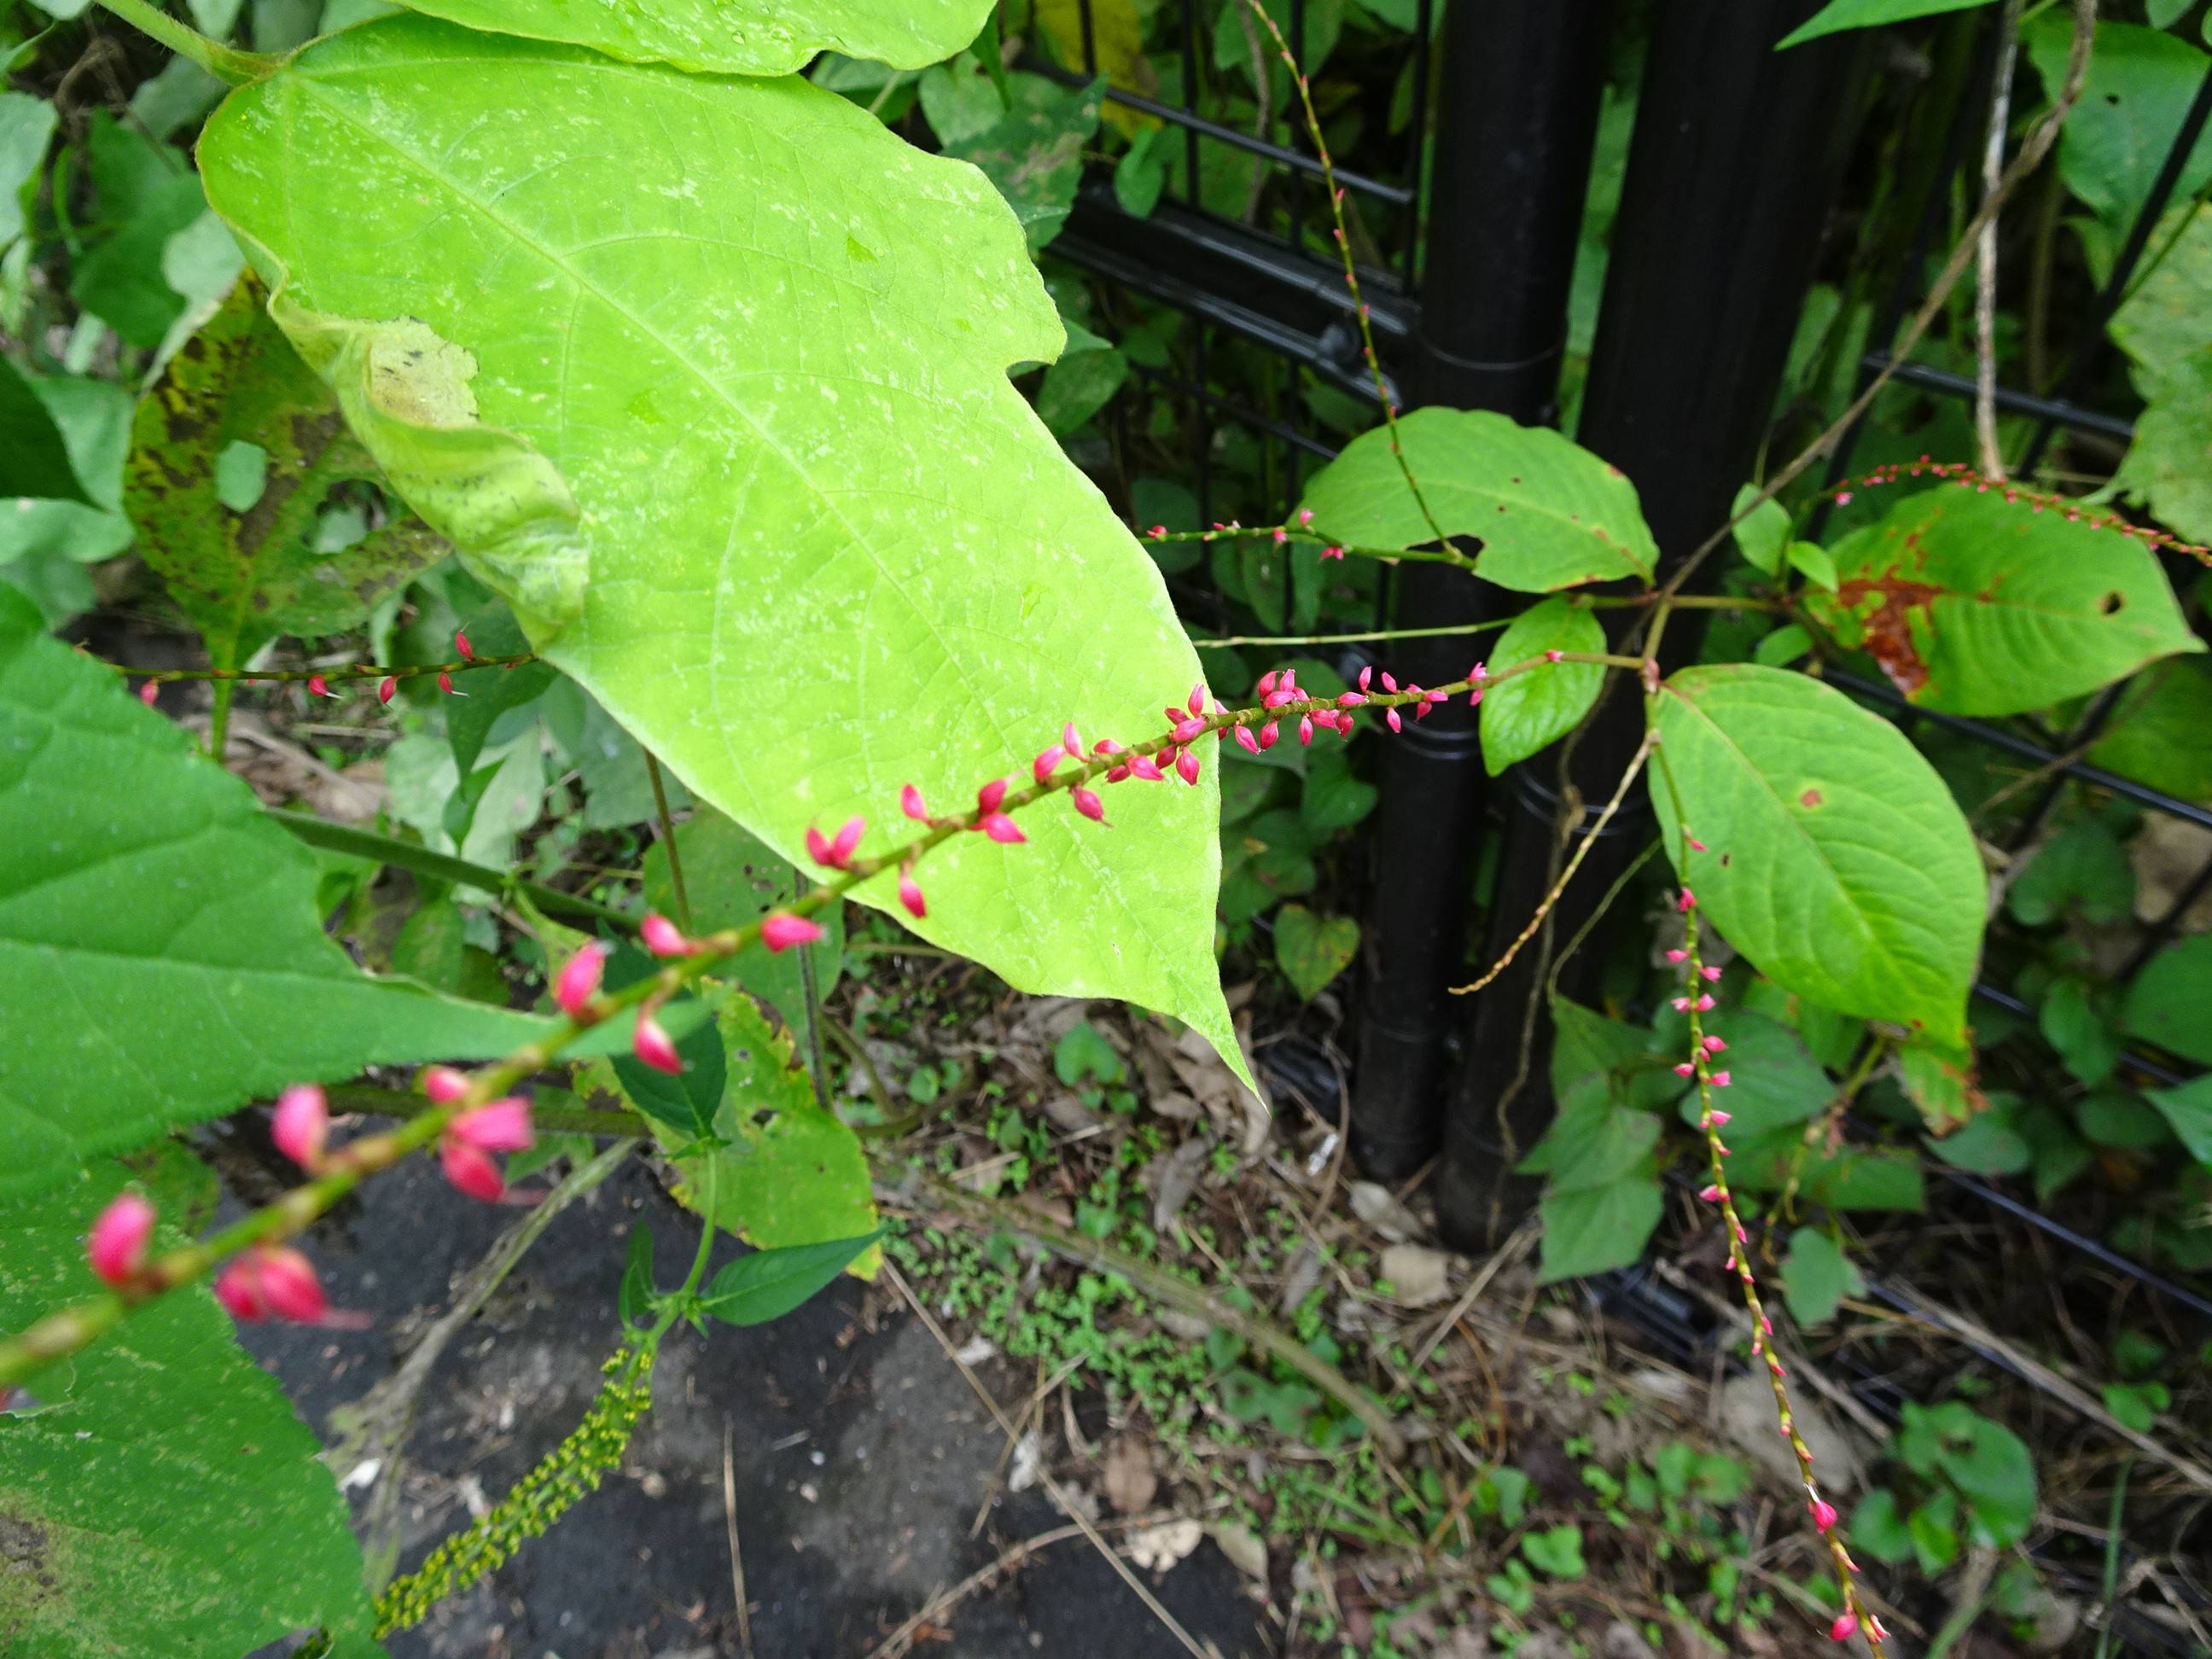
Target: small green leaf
[[1840, 15], [1761, 536], [1082, 1055], [2166, 1004], [2082, 870], [1878, 1527], [27, 126], [1837, 860], [1782, 647], [1548, 514], [1974, 604], [636, 1299], [1524, 714], [686, 1102], [768, 1284], [1940, 1082], [1593, 1142], [2123, 1121], [2188, 1108], [2137, 1405], [2074, 1024], [1816, 1277], [1774, 1081], [1585, 1044], [1596, 1228], [1312, 949], [2166, 465], [1989, 1142], [2161, 733], [1556, 1551], [1814, 564]]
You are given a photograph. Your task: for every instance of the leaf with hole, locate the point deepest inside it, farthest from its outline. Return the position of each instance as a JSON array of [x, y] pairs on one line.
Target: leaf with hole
[[647, 436], [1548, 514], [1523, 715], [1973, 604], [2140, 86], [1836, 858]]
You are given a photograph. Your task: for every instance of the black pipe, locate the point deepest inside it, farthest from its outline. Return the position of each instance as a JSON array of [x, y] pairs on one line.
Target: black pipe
[[1733, 162], [1516, 121]]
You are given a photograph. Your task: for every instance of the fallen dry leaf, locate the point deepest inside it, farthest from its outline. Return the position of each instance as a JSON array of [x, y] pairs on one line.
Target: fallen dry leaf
[[1420, 1277], [1157, 1548], [1126, 1474]]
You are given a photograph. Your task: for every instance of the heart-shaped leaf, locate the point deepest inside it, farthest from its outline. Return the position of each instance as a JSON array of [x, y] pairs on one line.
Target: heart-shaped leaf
[[747, 463], [1834, 858], [1548, 514], [1522, 714], [1974, 604], [1312, 949]]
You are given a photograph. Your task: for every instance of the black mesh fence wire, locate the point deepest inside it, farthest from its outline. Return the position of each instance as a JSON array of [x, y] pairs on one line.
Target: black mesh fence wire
[[1278, 288]]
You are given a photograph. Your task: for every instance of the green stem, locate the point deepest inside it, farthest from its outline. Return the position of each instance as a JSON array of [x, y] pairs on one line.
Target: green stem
[[1347, 639], [386, 849], [668, 840], [228, 65]]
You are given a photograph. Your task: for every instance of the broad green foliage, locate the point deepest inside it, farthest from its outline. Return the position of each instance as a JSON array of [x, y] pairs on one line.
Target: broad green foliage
[[1526, 713], [242, 565], [733, 37], [748, 469], [1593, 1229], [1548, 514], [1973, 604], [1774, 1083], [1816, 1277], [2082, 870], [2165, 328], [1836, 858], [1601, 1193], [792, 1172], [2140, 85], [1839, 14], [33, 459], [1985, 1463], [161, 961], [161, 1498], [1312, 949]]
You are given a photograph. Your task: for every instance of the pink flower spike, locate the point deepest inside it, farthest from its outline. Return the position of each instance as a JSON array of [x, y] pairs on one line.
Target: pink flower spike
[[664, 939], [578, 981], [461, 644], [1677, 956], [848, 839], [1187, 766], [319, 687], [781, 930], [909, 893], [1845, 1627], [1305, 730], [301, 1125], [1688, 902], [651, 1044], [1068, 740], [1041, 768], [1088, 804], [1823, 1513], [1714, 1045], [1196, 701], [910, 804], [150, 693], [116, 1246], [1720, 1079], [444, 1084], [1712, 974], [1003, 830], [471, 1171], [504, 1125], [1710, 1195], [1246, 741], [386, 688], [989, 797], [1189, 731]]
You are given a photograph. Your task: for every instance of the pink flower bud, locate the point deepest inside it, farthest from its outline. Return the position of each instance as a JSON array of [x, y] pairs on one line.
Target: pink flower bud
[[1332, 551], [501, 1126], [150, 693], [319, 687], [1003, 830], [1267, 684], [910, 804], [989, 797], [1088, 804], [1685, 1069], [1306, 729], [1305, 517], [1845, 1627], [1268, 733], [1196, 701], [1843, 498], [301, 1125], [1279, 696], [651, 1044], [1719, 1119], [461, 644], [1041, 768], [1350, 700], [1704, 1003], [445, 683], [1068, 740], [1187, 731], [1681, 1004], [1714, 1045], [909, 895], [1187, 766], [273, 1281], [1389, 683], [116, 1246], [1367, 677], [1105, 746], [781, 930], [1281, 535], [1677, 956], [1553, 656], [578, 981], [1710, 974], [444, 1084], [848, 839], [1823, 1513], [1145, 766], [1475, 698], [471, 1171], [1688, 902], [1696, 846], [664, 937], [1710, 1195], [1479, 673], [1289, 680], [385, 688], [1246, 741], [1157, 532], [1720, 1079], [1391, 715]]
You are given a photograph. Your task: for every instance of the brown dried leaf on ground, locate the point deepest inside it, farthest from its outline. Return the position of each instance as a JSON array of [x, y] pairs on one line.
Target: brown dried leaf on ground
[[1128, 1475]]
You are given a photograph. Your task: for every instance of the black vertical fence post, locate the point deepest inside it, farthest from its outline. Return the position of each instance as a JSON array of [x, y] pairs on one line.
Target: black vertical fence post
[[1733, 165], [1516, 123]]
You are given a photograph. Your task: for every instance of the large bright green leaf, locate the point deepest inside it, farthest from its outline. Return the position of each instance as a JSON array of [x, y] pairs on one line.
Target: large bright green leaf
[[1522, 714], [1549, 515], [161, 1498], [1973, 604], [750, 469], [1835, 858], [1840, 15], [246, 570], [2141, 83], [161, 961], [734, 37]]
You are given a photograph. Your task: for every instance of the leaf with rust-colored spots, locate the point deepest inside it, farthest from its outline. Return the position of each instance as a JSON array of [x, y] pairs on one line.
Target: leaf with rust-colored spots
[[1548, 514], [1943, 1083], [1974, 604], [1833, 856], [244, 575]]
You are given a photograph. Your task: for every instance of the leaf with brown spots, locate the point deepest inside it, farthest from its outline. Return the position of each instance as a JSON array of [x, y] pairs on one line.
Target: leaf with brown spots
[[245, 570], [1974, 604]]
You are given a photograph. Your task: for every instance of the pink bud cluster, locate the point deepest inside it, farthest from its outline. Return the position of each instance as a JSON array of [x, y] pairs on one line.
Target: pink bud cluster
[[1964, 476], [1711, 1120]]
